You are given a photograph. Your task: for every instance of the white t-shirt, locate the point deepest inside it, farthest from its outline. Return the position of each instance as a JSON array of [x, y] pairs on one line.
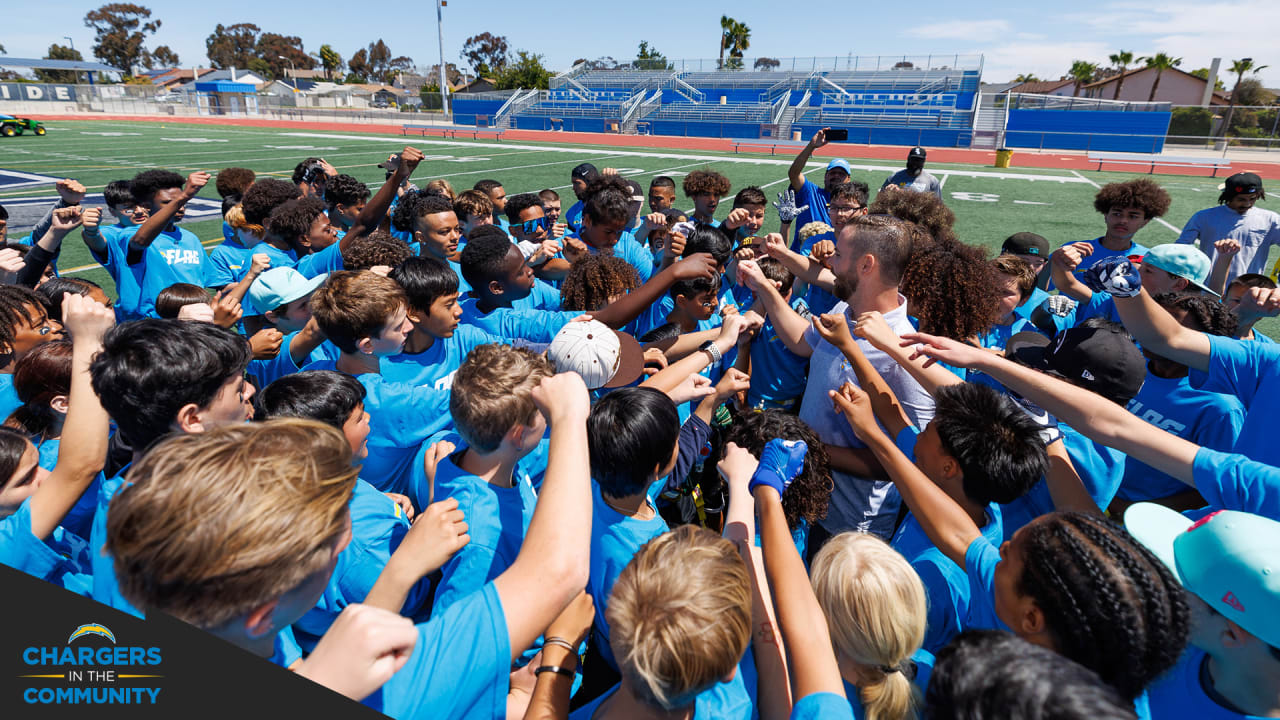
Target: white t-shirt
[[1256, 230]]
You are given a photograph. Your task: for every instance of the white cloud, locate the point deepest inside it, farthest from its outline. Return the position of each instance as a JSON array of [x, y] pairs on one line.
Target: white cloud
[[1045, 60], [960, 29]]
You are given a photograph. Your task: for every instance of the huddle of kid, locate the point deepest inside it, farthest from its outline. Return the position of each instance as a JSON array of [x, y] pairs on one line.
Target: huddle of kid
[[483, 423]]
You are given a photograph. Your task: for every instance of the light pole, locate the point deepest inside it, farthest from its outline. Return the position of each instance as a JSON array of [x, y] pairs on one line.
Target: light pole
[[68, 39], [444, 87], [292, 68]]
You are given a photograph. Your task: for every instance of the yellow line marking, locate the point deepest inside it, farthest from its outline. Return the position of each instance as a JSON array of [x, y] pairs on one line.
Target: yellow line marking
[[42, 676]]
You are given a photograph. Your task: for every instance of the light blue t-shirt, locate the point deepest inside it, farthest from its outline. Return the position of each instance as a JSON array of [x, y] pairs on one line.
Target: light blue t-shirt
[[1180, 695], [176, 256], [980, 562], [1212, 420], [945, 583], [9, 400], [285, 650], [573, 217], [435, 366], [378, 526], [538, 326], [820, 301], [1250, 371], [1101, 469], [231, 260], [778, 376], [628, 249], [79, 520], [271, 369], [459, 668], [318, 263], [128, 278], [497, 520], [401, 417], [1231, 481], [822, 706], [50, 561], [105, 588], [722, 701], [544, 296], [615, 539]]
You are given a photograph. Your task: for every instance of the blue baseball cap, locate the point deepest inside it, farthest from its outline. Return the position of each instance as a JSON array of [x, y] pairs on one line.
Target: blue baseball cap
[[1184, 261], [1229, 559], [840, 164], [280, 286]]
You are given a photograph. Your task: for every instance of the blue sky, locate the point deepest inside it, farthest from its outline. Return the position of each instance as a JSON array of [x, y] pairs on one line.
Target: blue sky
[[1014, 37]]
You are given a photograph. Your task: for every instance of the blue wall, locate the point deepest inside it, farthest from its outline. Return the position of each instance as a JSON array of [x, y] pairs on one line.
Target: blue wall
[[703, 128], [1104, 130], [465, 110], [570, 124], [932, 137]]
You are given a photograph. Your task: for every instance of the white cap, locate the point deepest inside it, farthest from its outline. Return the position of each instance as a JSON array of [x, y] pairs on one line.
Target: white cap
[[597, 353]]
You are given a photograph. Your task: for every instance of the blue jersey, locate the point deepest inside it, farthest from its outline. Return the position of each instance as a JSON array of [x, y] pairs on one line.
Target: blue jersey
[[271, 369], [945, 583], [997, 337], [1101, 469], [497, 520], [820, 301], [1212, 420], [318, 263], [55, 561], [378, 526], [778, 376], [231, 262], [459, 667], [105, 588], [1180, 693], [1102, 253], [822, 706], [1028, 307], [1231, 481], [176, 256], [538, 326], [128, 278], [573, 217], [1100, 304], [816, 197], [79, 521], [544, 296], [722, 701], [628, 249], [980, 561], [285, 651], [435, 366], [615, 539], [1250, 371], [401, 417], [9, 400]]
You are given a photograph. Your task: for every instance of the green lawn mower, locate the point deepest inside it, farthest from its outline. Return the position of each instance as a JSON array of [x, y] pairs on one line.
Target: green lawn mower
[[10, 126]]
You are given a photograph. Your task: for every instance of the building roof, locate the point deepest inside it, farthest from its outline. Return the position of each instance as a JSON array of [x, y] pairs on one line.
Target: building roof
[[1040, 86], [1219, 97], [372, 88], [226, 86], [40, 64], [242, 75]]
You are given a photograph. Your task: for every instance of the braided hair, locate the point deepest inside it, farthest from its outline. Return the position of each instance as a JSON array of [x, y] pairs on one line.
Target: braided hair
[[1108, 602]]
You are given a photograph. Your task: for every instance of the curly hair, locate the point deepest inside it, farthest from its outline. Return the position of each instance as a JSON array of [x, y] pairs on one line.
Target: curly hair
[[1108, 602], [377, 248], [293, 219], [1208, 314], [923, 209], [234, 181], [806, 497], [344, 190], [953, 292], [1139, 192], [146, 184], [593, 279], [415, 205], [607, 199], [705, 182], [266, 195]]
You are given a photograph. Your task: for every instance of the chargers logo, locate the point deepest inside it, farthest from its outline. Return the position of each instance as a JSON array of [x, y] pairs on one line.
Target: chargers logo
[[92, 629]]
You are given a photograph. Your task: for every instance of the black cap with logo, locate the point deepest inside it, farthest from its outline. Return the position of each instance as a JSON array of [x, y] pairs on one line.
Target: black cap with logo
[[1101, 359], [1242, 184], [1026, 243]]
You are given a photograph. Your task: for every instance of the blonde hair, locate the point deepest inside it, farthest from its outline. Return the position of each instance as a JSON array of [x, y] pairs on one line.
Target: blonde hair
[[680, 616], [442, 186], [236, 219], [214, 525], [1018, 269], [493, 392], [875, 606], [814, 228]]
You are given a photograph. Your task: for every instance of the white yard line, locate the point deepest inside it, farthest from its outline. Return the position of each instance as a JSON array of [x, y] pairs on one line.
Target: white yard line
[[1085, 179]]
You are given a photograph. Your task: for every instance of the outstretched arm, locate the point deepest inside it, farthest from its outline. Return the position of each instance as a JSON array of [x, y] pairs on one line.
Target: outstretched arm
[[160, 219], [835, 330], [1062, 265], [376, 209], [795, 173], [787, 323], [628, 307]]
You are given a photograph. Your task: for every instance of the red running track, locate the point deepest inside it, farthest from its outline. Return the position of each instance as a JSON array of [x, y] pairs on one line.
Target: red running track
[[1022, 158]]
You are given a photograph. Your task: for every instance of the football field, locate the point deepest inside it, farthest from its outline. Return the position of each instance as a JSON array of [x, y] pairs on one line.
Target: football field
[[990, 204]]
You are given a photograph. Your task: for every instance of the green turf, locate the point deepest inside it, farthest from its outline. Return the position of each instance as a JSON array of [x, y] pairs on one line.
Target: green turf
[[988, 207]]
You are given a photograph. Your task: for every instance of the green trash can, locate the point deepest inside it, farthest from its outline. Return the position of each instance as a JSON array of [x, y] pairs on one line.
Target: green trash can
[[1004, 156]]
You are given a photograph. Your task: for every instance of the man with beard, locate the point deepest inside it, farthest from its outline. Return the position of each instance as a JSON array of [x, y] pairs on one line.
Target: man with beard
[[808, 193], [914, 177], [872, 253]]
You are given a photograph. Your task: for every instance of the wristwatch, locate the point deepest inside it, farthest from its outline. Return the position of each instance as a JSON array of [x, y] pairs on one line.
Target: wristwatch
[[710, 348]]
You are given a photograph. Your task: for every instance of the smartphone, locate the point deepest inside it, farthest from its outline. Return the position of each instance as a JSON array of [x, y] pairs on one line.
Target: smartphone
[[838, 135]]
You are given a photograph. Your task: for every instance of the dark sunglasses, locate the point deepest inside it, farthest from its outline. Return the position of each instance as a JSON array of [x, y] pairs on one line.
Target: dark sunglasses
[[529, 227]]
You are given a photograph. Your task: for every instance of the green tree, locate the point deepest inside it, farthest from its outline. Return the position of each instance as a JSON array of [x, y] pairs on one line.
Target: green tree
[[1191, 122], [232, 45], [1082, 72], [1159, 62], [59, 52], [282, 52], [1240, 68], [526, 72], [330, 60], [767, 63], [358, 67], [486, 53], [164, 56], [1027, 78], [1120, 60], [735, 37], [648, 58], [1203, 74], [119, 33]]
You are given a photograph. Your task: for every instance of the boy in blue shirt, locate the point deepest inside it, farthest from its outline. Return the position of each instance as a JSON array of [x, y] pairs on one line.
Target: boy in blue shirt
[[531, 230], [494, 413], [606, 215], [366, 317], [497, 195], [808, 194], [705, 188], [282, 297], [298, 227], [157, 377], [473, 210], [108, 244], [1126, 208], [579, 178], [779, 374], [432, 225], [168, 253], [344, 198]]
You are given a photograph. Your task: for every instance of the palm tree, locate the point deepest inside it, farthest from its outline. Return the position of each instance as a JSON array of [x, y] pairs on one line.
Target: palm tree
[[734, 37], [1122, 60], [1240, 68], [1161, 62], [1027, 78], [726, 24], [1083, 72]]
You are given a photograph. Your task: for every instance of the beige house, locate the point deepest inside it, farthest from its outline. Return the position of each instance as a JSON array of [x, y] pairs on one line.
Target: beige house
[[1176, 87]]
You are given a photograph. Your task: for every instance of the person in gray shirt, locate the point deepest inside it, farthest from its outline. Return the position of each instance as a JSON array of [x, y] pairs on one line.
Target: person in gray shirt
[[914, 176], [1253, 229]]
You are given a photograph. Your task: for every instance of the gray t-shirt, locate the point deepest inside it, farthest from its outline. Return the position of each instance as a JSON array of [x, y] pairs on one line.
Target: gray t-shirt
[[860, 504], [923, 183], [1256, 231]]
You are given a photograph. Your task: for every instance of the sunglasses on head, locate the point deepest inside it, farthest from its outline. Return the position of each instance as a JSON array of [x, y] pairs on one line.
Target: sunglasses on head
[[529, 227]]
